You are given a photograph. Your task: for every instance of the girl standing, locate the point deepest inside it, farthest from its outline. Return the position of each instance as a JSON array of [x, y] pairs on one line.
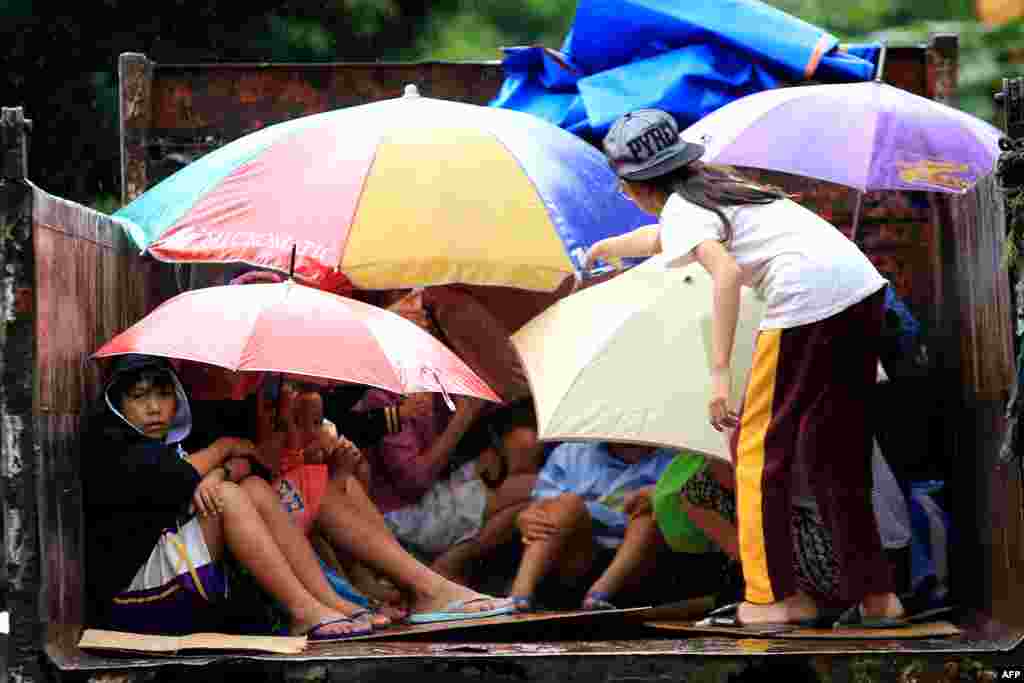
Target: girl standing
[[814, 363]]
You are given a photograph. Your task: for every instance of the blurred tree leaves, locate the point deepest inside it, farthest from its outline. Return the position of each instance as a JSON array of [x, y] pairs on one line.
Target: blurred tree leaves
[[59, 59]]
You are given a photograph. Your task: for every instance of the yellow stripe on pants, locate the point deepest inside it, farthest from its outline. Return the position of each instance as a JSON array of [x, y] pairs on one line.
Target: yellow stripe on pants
[[750, 457]]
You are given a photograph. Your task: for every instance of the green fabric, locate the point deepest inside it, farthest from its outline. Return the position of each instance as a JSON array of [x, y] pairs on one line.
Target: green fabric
[[681, 534]]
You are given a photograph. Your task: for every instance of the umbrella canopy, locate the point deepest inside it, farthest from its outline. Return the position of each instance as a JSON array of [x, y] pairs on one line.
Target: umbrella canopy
[[628, 360], [869, 136], [400, 193], [289, 328]]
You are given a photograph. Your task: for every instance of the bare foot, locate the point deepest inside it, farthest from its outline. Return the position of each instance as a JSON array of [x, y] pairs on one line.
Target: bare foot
[[449, 592], [796, 607], [339, 628], [366, 582], [392, 613], [882, 605]]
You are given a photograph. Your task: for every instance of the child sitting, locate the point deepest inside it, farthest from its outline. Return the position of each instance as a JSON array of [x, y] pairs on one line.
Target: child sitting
[[161, 520], [591, 519], [465, 516]]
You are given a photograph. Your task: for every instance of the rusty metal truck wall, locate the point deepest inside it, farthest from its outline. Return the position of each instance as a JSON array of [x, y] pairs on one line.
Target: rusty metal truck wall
[[89, 287]]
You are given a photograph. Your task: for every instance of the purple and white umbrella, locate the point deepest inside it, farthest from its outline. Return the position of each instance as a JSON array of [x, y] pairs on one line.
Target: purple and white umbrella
[[868, 135]]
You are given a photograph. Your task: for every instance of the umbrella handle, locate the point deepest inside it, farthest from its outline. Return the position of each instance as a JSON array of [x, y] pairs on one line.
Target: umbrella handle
[[444, 392]]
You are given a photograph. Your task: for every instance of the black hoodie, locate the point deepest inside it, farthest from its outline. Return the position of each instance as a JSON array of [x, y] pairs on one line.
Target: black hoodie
[[134, 487]]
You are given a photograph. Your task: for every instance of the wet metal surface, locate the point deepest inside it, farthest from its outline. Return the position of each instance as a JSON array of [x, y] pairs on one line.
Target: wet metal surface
[[616, 639], [402, 650]]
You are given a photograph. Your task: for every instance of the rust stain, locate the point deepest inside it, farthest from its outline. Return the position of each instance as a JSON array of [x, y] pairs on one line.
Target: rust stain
[[297, 92], [251, 88], [23, 301]]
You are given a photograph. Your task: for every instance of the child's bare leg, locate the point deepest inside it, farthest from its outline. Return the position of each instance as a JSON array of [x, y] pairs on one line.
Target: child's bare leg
[[354, 495], [515, 490], [571, 550], [635, 558], [241, 528], [350, 493], [294, 545], [717, 528], [503, 506], [376, 547], [498, 529]]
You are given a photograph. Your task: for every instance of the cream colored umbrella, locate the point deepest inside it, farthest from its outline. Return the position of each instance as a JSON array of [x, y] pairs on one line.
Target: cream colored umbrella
[[628, 360]]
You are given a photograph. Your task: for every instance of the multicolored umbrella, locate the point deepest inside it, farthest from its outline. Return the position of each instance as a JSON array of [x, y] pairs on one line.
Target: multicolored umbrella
[[293, 329], [400, 193]]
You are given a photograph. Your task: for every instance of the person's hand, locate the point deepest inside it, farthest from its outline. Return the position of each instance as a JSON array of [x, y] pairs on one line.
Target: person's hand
[[323, 444], [344, 457], [205, 498], [638, 503], [536, 525], [598, 252], [722, 417], [234, 447]]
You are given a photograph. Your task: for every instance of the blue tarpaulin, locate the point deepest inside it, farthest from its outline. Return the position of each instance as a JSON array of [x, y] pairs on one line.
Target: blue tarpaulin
[[688, 57]]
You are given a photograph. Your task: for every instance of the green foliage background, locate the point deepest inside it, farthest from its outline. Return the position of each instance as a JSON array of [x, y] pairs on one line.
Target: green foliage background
[[59, 59]]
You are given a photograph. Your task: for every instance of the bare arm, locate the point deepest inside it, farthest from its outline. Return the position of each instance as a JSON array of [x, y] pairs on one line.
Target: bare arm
[[220, 450], [640, 243], [437, 454], [725, 312]]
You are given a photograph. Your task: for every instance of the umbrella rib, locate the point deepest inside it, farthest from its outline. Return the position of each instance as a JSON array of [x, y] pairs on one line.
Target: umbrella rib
[[870, 148], [343, 247], [549, 207], [399, 374], [251, 337]]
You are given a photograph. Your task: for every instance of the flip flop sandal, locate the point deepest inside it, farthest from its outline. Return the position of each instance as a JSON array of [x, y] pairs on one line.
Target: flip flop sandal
[[314, 636], [728, 616], [453, 612], [598, 601], [522, 603], [854, 618]]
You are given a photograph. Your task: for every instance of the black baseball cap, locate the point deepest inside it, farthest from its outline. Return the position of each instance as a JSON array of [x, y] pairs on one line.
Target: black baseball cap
[[645, 144]]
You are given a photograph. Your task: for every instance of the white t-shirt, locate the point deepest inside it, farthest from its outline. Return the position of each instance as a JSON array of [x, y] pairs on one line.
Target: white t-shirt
[[800, 264]]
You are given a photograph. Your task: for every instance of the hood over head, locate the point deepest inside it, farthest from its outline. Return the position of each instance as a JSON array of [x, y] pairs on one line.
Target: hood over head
[[138, 365]]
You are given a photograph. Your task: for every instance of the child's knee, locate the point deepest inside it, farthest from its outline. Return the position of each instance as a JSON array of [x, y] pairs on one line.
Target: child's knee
[[568, 510], [258, 490], [230, 494]]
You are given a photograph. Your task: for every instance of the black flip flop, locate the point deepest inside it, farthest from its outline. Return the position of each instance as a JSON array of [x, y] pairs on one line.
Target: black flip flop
[[728, 616], [853, 618]]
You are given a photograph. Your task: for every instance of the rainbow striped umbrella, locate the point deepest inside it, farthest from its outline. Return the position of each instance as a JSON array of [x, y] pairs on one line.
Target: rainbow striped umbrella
[[405, 192]]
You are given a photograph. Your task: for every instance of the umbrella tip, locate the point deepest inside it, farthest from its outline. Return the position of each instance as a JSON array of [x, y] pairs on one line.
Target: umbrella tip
[[411, 90]]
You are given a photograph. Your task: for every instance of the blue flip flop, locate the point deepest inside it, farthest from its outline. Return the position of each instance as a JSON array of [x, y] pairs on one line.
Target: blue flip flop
[[453, 612], [598, 601], [522, 603], [314, 636]]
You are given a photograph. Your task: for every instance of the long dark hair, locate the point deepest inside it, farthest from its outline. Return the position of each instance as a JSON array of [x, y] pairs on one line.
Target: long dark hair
[[712, 187]]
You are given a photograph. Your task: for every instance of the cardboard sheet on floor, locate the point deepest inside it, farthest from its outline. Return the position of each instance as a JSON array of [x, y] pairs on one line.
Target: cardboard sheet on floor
[[574, 617], [195, 643], [933, 629]]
